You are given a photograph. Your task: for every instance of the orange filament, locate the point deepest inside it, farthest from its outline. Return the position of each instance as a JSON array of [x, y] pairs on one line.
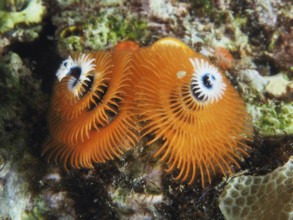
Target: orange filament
[[200, 138], [98, 123], [178, 96]]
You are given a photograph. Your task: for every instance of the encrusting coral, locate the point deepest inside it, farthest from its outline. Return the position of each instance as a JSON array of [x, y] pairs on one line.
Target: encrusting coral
[[260, 197]]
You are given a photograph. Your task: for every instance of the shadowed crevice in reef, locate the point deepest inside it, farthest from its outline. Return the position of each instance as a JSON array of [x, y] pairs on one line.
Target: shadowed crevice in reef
[[41, 58], [41, 55]]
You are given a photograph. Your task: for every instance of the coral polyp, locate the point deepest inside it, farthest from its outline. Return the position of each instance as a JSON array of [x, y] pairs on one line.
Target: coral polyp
[[185, 101]]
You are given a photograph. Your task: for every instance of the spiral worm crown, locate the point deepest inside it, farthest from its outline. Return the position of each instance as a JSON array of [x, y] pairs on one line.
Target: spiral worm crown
[[91, 118], [186, 102], [177, 95]]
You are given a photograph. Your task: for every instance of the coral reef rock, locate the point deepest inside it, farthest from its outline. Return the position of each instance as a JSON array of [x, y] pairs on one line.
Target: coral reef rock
[[260, 197], [278, 85]]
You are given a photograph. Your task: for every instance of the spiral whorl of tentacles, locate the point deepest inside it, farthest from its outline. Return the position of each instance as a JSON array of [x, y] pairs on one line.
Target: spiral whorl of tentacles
[[91, 118], [186, 102], [167, 91]]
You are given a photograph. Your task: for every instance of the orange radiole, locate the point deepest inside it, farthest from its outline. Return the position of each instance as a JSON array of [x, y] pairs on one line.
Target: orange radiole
[[185, 101], [177, 95], [91, 118]]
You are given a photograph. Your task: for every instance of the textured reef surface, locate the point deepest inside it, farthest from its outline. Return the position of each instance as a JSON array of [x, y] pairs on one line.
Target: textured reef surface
[[251, 41]]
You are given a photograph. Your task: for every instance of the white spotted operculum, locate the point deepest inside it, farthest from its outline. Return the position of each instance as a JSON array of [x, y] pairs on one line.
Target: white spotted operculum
[[78, 69], [207, 85]]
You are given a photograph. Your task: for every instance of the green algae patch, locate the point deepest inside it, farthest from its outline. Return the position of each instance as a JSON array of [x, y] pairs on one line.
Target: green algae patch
[[102, 32], [109, 28], [32, 14], [273, 119]]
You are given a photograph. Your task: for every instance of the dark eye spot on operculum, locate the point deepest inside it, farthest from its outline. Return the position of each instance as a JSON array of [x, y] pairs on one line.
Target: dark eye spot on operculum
[[206, 79], [75, 72]]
